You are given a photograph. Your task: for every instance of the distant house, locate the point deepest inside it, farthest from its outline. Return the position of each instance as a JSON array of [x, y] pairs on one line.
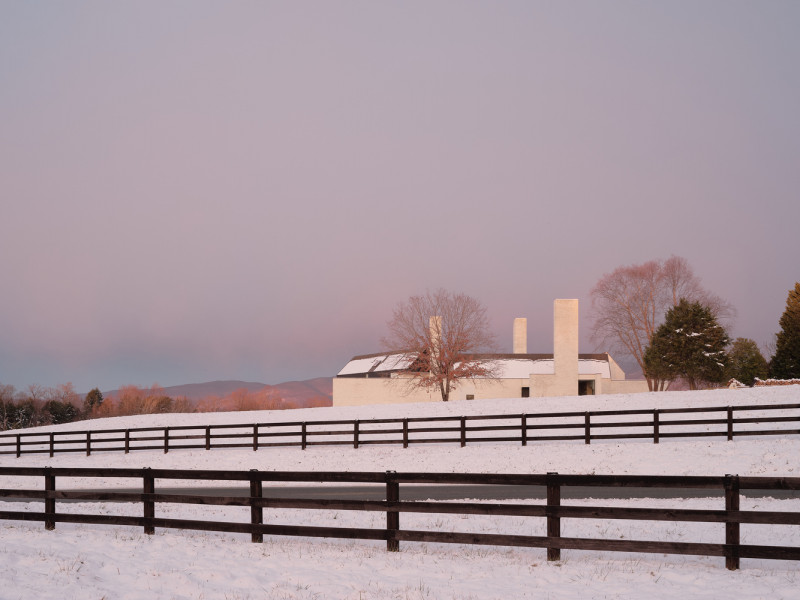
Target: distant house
[[383, 378]]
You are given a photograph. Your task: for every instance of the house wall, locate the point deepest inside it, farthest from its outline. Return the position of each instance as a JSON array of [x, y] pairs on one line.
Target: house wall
[[624, 386], [483, 389], [618, 384], [616, 371], [356, 391], [548, 385]]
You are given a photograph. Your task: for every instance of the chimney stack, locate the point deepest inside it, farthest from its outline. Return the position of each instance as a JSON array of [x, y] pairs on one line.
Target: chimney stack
[[565, 345], [435, 327], [520, 341]]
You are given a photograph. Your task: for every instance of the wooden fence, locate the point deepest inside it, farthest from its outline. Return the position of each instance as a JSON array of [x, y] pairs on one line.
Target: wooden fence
[[657, 424], [731, 517]]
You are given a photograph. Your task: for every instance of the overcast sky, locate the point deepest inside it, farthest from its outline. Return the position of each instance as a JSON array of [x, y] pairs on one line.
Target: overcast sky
[[192, 191]]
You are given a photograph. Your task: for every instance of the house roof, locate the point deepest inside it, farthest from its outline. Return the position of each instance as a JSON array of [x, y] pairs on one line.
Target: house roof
[[371, 363], [511, 366]]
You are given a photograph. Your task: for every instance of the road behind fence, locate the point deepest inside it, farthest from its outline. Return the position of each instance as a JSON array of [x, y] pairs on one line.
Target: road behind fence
[[728, 515]]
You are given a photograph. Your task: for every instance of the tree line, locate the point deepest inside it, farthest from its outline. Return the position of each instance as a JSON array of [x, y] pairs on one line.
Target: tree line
[[659, 314], [38, 405]]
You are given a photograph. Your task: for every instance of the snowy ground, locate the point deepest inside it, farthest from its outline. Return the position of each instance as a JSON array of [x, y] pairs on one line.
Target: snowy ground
[[83, 561]]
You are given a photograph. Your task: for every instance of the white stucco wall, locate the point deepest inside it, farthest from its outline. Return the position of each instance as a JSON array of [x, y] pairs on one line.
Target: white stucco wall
[[352, 391], [625, 386], [356, 391], [615, 371]]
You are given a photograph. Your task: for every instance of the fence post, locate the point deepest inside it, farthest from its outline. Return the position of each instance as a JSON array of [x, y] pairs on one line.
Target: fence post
[[303, 436], [166, 440], [463, 431], [127, 441], [49, 499], [52, 444], [149, 488], [355, 433], [732, 529], [553, 521], [256, 511], [392, 516], [255, 438], [656, 426], [88, 443], [208, 438], [405, 433], [730, 423], [524, 430], [587, 426], [19, 445]]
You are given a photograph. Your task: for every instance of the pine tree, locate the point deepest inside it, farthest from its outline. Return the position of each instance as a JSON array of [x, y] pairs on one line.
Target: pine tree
[[745, 362], [93, 400], [60, 412], [786, 362], [689, 344]]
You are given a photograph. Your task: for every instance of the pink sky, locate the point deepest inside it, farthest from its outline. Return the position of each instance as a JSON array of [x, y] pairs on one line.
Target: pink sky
[[192, 191]]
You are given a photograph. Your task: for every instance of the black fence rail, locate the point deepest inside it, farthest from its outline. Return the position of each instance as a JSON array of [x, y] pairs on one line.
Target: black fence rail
[[656, 425], [730, 516]]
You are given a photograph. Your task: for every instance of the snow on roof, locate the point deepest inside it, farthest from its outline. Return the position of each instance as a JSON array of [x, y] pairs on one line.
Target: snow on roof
[[376, 363], [509, 367], [592, 366]]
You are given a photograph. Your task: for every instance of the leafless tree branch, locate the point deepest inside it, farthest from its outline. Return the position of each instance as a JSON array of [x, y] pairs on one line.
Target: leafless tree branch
[[442, 351], [629, 303]]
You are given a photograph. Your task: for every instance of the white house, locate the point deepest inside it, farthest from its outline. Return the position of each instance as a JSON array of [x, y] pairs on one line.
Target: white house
[[383, 378]]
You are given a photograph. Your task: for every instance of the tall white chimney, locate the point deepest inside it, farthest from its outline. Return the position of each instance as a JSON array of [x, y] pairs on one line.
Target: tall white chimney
[[520, 341], [565, 345]]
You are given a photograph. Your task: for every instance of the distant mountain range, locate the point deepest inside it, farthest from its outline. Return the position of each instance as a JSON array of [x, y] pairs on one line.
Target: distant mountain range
[[298, 392]]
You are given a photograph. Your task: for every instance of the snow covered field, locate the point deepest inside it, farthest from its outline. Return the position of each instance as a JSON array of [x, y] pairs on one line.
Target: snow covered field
[[89, 561]]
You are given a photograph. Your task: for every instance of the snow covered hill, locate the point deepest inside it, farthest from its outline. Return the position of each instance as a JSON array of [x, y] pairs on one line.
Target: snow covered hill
[[77, 561]]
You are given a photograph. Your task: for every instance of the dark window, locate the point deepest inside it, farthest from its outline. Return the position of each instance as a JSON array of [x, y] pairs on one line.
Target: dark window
[[470, 396], [586, 387], [526, 392]]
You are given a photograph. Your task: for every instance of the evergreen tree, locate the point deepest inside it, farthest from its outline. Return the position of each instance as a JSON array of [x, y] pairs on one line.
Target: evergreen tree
[[689, 344], [93, 400], [786, 362], [745, 362], [26, 415], [60, 412]]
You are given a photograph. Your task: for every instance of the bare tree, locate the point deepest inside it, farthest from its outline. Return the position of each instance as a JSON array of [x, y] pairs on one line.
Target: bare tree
[[8, 407], [134, 400], [242, 399], [61, 404], [683, 283], [629, 303], [63, 392], [441, 335]]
